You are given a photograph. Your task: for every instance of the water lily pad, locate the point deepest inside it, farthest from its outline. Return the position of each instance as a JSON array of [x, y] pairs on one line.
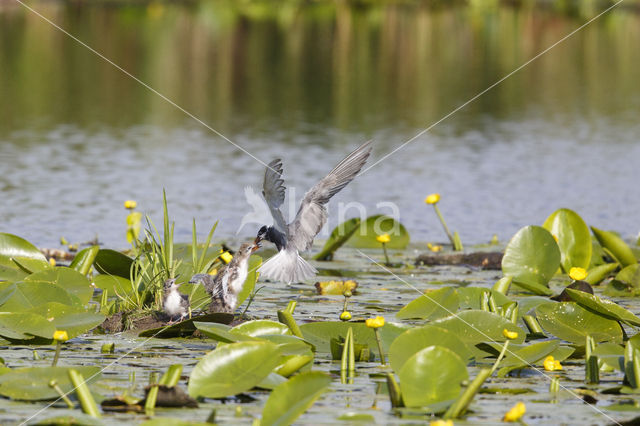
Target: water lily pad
[[290, 399], [610, 356], [573, 323], [72, 319], [574, 238], [221, 333], [630, 275], [113, 284], [338, 237], [113, 262], [320, 334], [14, 247], [598, 273], [604, 307], [365, 235], [616, 246], [24, 326], [531, 258], [475, 326], [83, 261], [471, 297], [29, 294], [527, 356], [32, 384], [432, 375], [416, 339], [233, 368], [69, 279], [431, 305], [258, 328]]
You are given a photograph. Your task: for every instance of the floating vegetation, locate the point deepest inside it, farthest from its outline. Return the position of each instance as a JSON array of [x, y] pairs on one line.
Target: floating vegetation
[[448, 343]]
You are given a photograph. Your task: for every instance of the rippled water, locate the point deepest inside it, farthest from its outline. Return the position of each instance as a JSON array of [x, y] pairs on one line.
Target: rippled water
[[308, 83]]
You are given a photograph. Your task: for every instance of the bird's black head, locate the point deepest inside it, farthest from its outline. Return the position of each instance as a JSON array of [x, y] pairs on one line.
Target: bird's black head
[[262, 232]]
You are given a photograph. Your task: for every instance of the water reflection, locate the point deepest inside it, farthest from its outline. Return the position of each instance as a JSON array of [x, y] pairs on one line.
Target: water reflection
[[307, 82]]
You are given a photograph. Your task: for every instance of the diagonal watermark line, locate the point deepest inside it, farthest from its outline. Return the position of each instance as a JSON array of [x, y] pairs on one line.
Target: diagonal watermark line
[[142, 83], [542, 373], [138, 346], [422, 132]]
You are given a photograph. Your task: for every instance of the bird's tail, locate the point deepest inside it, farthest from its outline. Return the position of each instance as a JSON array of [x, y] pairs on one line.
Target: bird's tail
[[287, 266]]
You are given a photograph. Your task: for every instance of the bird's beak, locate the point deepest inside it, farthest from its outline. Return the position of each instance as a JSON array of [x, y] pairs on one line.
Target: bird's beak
[[256, 244]]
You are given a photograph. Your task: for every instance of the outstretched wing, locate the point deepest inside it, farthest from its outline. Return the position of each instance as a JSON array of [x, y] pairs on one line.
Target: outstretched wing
[[312, 214], [273, 191]]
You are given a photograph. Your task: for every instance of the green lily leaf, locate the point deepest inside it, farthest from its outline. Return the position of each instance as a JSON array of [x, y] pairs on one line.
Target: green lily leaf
[[111, 262], [259, 328], [574, 238], [616, 246], [338, 237], [72, 319], [290, 399], [76, 419], [365, 236], [414, 340], [630, 275], [610, 356], [471, 297], [222, 333], [432, 305], [72, 281], [187, 327], [6, 291], [83, 261], [598, 273], [527, 356], [14, 247], [320, 334], [604, 307], [233, 368], [432, 375], [32, 384], [573, 323], [113, 284], [252, 277], [272, 381], [29, 294], [24, 326], [475, 326], [531, 258]]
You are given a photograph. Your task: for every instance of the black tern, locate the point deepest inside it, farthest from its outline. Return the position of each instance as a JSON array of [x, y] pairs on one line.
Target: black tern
[[297, 236], [227, 284]]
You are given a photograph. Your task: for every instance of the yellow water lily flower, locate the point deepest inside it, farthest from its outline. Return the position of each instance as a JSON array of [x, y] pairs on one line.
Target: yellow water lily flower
[[376, 322], [441, 423], [345, 316], [555, 237], [434, 247], [516, 412], [510, 334], [60, 336], [577, 273], [384, 238], [432, 198], [551, 364], [226, 256], [130, 204], [52, 261], [214, 271]]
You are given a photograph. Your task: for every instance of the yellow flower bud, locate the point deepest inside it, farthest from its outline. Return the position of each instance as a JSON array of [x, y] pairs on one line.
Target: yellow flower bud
[[214, 271], [556, 365], [130, 204], [52, 261], [60, 336], [384, 238], [226, 257], [432, 198], [345, 316], [510, 334], [516, 412], [441, 423], [577, 273], [376, 322], [549, 363], [434, 248]]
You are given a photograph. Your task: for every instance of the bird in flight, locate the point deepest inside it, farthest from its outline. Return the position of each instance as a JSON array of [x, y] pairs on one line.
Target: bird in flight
[[290, 239]]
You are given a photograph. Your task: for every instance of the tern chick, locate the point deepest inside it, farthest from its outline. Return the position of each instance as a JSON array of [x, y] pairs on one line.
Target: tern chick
[[227, 284], [174, 303], [297, 236]]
